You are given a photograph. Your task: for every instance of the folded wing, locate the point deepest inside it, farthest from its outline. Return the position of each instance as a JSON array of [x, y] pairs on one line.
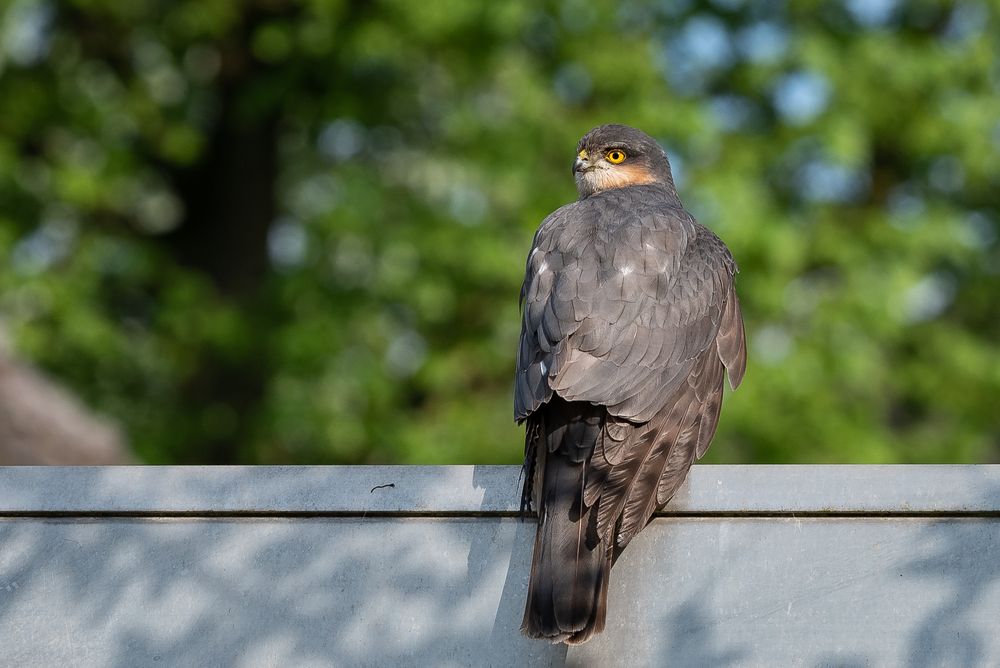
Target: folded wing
[[639, 317]]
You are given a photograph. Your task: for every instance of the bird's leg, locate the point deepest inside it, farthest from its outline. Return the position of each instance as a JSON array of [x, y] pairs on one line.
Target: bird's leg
[[528, 471], [529, 467]]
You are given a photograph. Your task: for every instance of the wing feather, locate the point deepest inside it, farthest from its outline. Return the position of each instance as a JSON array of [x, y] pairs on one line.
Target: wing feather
[[630, 309], [731, 341]]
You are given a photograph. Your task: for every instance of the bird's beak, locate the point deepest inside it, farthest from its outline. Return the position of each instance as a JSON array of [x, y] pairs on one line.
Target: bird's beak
[[581, 164]]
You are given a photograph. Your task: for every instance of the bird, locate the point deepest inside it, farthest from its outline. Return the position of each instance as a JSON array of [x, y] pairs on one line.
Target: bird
[[629, 323]]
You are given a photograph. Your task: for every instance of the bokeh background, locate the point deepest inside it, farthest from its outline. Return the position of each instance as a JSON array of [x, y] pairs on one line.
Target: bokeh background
[[294, 232]]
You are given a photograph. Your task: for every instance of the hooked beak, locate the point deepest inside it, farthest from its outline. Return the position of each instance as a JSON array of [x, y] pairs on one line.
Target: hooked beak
[[581, 164]]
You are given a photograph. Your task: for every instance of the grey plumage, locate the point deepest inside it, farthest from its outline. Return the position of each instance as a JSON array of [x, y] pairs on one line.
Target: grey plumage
[[630, 319]]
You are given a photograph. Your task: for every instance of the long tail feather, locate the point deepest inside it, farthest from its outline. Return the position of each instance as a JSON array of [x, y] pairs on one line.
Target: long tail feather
[[567, 589]]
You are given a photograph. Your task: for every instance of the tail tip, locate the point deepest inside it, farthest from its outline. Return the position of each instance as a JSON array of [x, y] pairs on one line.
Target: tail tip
[[556, 636]]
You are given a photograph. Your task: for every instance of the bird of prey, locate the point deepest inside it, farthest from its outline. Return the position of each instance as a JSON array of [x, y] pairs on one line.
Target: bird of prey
[[630, 320]]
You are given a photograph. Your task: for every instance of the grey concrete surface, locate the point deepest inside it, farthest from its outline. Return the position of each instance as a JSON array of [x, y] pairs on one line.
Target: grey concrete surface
[[890, 588], [479, 489]]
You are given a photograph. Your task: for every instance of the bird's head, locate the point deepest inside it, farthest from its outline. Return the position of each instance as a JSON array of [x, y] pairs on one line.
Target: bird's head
[[617, 156]]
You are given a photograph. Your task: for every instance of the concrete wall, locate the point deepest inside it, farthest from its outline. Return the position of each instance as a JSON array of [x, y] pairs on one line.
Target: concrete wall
[[328, 566]]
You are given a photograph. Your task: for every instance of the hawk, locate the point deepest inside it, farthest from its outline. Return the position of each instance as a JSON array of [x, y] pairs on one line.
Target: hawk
[[630, 322]]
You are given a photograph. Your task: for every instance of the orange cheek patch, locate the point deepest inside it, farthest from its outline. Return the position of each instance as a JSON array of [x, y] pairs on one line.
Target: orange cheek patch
[[621, 177]]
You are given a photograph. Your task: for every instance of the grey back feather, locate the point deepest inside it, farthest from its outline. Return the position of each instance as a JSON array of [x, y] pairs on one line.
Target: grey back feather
[[629, 305]]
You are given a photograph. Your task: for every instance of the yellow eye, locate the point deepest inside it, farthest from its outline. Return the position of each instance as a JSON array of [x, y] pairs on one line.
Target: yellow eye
[[615, 156]]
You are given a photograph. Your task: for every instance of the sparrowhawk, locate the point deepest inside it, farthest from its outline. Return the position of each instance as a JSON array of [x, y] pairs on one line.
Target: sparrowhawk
[[630, 320]]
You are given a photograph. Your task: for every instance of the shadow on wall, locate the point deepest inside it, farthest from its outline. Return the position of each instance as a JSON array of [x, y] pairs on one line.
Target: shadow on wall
[[267, 591], [692, 631], [448, 592], [964, 556]]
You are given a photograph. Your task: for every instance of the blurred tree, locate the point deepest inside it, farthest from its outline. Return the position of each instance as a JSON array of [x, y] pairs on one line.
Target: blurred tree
[[276, 231]]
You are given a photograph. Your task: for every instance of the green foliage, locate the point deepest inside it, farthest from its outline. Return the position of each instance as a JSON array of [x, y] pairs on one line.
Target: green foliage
[[274, 231]]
